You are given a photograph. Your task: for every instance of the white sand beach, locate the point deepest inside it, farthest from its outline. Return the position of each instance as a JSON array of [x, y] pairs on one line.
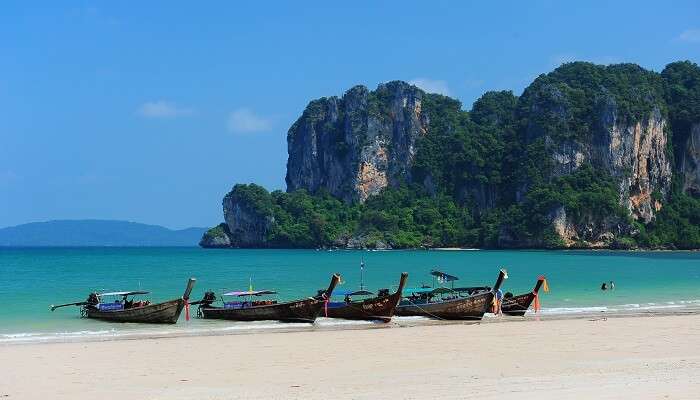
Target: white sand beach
[[632, 357]]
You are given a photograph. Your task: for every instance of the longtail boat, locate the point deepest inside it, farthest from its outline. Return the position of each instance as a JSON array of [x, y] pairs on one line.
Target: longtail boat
[[518, 305], [450, 303], [380, 308], [304, 310], [124, 310]]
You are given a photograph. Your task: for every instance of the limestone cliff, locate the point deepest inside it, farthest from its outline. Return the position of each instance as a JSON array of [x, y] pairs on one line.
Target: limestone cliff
[[589, 156], [633, 152], [690, 162], [355, 146], [248, 216], [617, 127], [216, 237]]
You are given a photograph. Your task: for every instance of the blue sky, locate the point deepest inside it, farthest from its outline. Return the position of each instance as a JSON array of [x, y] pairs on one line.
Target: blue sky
[[151, 111]]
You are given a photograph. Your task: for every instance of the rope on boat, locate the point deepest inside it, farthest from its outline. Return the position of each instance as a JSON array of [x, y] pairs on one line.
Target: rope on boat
[[426, 311], [354, 307]]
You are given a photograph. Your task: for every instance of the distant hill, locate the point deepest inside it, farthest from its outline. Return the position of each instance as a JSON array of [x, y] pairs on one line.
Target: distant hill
[[97, 233]]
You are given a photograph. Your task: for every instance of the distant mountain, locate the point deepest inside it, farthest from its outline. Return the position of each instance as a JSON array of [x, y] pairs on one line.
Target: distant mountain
[[97, 233]]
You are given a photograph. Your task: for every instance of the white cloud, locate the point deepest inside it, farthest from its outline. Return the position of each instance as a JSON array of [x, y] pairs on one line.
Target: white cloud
[[690, 35], [244, 120], [163, 109], [431, 86]]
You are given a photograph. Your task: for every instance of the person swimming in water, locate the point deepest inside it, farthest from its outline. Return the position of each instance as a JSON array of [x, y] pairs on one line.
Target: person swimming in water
[[604, 286], [612, 285]]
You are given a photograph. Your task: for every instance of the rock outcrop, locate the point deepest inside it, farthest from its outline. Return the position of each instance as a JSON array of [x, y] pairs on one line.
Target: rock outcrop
[[355, 146], [216, 237], [248, 216], [690, 162], [589, 232], [633, 152]]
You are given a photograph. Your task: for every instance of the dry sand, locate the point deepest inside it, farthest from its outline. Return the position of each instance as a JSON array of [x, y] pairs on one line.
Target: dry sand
[[618, 358]]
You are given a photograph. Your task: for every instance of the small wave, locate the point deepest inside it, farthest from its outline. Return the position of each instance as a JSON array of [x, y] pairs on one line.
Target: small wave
[[342, 322], [266, 326], [573, 310], [87, 333], [655, 307], [408, 319], [19, 335]]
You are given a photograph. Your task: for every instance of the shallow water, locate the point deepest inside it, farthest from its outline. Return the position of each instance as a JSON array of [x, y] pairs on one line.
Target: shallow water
[[33, 279]]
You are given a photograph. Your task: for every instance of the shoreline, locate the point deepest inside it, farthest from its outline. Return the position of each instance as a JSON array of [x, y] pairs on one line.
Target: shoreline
[[195, 246], [607, 358], [227, 328]]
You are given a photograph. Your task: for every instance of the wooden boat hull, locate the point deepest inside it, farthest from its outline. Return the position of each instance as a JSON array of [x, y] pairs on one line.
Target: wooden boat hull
[[517, 305], [462, 308], [161, 313], [467, 308], [377, 308], [306, 310], [294, 311]]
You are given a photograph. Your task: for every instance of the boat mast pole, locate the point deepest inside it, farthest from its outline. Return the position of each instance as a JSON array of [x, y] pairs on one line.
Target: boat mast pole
[[362, 274]]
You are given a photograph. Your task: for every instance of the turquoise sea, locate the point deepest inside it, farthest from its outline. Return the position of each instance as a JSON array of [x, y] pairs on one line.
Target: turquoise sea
[[33, 279]]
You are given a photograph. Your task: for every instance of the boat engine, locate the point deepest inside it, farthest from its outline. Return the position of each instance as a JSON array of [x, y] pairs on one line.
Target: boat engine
[[207, 300], [209, 297], [92, 299]]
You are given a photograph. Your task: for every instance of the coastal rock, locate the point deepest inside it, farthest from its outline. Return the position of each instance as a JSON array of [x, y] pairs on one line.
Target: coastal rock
[[354, 146], [690, 162], [248, 215], [590, 231], [360, 242], [216, 237]]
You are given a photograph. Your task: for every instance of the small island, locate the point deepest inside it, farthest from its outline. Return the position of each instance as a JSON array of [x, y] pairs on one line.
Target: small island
[[589, 156]]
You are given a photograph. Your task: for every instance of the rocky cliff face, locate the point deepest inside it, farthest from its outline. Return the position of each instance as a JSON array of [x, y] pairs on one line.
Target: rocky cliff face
[[690, 162], [216, 237], [590, 232], [247, 221], [355, 146], [633, 152], [636, 154]]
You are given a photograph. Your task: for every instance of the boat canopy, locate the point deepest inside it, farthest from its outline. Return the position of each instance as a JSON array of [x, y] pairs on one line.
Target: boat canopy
[[132, 293], [352, 293], [443, 276], [250, 293]]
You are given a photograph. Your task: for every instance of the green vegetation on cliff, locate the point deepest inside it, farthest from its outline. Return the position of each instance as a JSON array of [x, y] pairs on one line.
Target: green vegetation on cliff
[[409, 217]]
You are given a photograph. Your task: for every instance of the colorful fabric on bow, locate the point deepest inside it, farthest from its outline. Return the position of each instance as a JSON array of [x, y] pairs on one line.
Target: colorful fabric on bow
[[496, 305]]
